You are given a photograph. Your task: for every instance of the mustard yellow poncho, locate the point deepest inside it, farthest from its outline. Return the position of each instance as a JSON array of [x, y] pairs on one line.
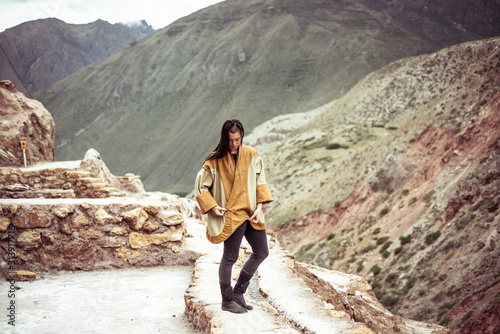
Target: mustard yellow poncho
[[237, 188]]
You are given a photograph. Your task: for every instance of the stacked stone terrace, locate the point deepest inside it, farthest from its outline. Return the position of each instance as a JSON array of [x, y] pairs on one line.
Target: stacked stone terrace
[[78, 216], [51, 180]]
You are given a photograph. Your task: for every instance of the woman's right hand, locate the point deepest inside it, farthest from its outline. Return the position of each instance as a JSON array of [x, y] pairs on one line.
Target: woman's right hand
[[218, 211]]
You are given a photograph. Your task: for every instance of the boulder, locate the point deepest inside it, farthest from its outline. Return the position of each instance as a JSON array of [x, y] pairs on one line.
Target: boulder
[[24, 117], [93, 163]]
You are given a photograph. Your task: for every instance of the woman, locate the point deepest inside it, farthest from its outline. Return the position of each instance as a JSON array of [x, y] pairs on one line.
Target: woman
[[231, 189]]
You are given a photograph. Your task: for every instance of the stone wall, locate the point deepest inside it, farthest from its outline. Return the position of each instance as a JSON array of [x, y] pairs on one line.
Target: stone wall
[[78, 216], [52, 235], [89, 178]]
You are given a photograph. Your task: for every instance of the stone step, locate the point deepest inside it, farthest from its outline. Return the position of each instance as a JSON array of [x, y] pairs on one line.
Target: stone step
[[117, 194], [38, 193], [56, 193], [78, 174], [98, 185], [289, 294]]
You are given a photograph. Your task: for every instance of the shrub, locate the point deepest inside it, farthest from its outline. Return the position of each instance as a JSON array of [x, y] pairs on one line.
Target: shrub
[[334, 146], [389, 300], [431, 237], [412, 201], [428, 197], [405, 192], [384, 211], [380, 241], [405, 239], [368, 248], [391, 277], [376, 231], [398, 250], [445, 322], [384, 248], [375, 270], [330, 236], [386, 245]]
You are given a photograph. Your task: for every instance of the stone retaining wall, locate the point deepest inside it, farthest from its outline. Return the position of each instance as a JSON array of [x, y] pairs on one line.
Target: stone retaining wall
[[60, 183], [53, 235], [87, 178]]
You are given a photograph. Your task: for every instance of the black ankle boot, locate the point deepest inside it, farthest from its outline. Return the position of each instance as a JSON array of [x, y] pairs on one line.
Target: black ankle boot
[[240, 288], [228, 302]]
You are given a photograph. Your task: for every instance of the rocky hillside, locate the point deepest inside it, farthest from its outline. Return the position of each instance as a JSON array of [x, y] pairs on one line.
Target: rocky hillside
[[156, 107], [21, 117], [39, 53], [399, 181]]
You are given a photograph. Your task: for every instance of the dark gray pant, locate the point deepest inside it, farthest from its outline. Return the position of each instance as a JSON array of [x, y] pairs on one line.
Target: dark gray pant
[[258, 242]]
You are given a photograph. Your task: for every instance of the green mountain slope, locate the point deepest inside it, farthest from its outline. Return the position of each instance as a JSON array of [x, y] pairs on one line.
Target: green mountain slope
[[156, 107]]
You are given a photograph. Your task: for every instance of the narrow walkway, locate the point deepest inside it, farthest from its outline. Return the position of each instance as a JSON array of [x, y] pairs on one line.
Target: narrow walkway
[[145, 300], [203, 299], [289, 306]]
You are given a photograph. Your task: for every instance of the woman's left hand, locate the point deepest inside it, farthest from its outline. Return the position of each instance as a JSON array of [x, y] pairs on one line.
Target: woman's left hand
[[256, 214]]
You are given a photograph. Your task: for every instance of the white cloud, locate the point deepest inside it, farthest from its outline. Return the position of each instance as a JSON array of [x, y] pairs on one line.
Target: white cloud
[[158, 13]]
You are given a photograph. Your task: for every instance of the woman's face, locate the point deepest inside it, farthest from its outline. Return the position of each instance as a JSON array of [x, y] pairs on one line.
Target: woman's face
[[234, 141]]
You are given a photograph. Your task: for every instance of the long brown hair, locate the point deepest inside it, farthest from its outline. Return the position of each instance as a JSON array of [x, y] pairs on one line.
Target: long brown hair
[[233, 126]]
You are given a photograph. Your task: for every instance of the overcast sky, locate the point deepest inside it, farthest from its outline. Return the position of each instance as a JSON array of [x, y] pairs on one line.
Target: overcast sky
[[158, 13]]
